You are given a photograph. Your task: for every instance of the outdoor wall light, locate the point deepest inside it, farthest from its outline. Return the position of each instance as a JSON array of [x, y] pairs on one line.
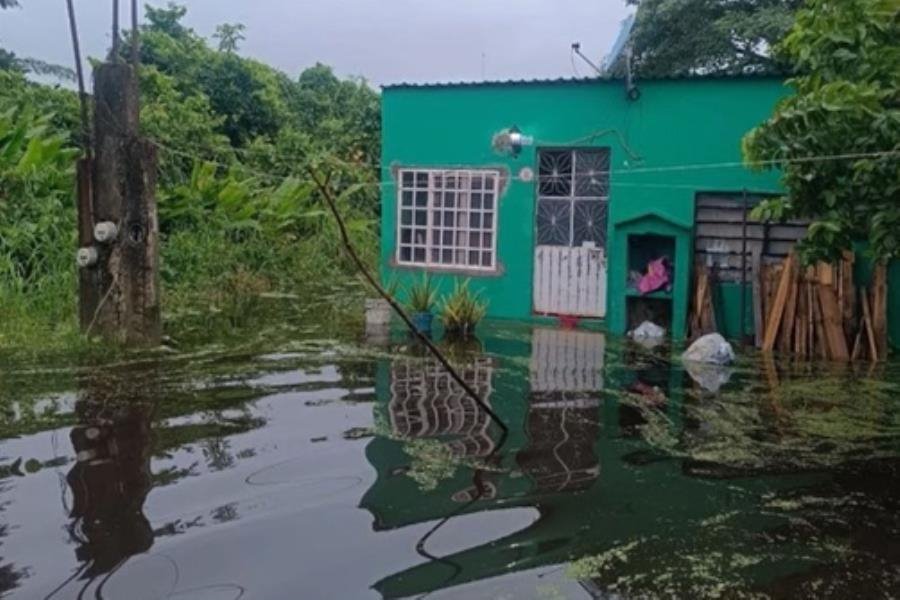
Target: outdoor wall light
[[510, 141]]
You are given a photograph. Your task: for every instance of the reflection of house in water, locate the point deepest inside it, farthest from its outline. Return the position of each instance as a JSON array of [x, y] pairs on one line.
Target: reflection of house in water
[[426, 403], [563, 420], [551, 402], [548, 390]]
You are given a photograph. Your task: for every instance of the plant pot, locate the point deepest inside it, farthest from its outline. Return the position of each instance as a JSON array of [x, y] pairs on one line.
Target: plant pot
[[422, 321], [378, 313]]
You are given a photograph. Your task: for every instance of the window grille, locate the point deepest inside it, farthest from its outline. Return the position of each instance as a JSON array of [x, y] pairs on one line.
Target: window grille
[[573, 188], [427, 403], [448, 218]]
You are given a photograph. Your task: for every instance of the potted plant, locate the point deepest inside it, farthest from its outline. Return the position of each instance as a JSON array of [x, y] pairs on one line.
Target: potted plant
[[462, 310], [420, 302]]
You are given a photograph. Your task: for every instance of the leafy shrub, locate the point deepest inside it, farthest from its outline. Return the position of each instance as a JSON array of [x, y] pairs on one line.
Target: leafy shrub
[[462, 310], [422, 295]]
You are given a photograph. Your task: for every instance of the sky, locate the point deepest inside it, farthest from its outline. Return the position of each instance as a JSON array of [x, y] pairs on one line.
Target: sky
[[385, 41]]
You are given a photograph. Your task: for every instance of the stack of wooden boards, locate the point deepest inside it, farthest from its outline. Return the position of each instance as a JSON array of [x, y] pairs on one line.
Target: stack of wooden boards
[[702, 318], [812, 312]]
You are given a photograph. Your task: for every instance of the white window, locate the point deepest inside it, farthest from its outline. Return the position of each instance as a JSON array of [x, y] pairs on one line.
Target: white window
[[447, 218]]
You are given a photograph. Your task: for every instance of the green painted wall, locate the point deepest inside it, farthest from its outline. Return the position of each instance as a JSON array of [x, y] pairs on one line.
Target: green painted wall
[[674, 123]]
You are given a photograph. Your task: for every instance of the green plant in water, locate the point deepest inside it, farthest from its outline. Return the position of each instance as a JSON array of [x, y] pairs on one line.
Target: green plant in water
[[422, 295], [462, 310], [391, 286]]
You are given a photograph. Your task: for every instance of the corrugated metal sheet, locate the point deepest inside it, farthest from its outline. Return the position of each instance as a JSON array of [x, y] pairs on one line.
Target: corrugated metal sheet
[[570, 80]]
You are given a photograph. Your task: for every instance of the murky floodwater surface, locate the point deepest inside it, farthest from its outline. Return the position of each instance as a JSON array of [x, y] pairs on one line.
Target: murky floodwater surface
[[319, 468]]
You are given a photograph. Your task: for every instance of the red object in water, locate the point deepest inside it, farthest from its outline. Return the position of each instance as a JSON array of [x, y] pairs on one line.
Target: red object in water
[[568, 321]]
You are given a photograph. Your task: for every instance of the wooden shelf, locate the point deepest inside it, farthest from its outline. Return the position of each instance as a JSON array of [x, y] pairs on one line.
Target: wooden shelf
[[659, 294]]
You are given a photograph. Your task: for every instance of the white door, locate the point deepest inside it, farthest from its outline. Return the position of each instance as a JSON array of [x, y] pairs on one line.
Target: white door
[[570, 231]]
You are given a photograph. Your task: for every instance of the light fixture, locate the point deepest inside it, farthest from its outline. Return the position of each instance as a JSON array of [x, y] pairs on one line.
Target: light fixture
[[510, 141]]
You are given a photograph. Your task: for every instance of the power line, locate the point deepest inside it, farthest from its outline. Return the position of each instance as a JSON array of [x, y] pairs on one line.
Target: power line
[[662, 169]]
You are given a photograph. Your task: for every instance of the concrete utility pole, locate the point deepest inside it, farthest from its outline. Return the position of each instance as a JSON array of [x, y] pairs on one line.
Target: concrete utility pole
[[118, 226]]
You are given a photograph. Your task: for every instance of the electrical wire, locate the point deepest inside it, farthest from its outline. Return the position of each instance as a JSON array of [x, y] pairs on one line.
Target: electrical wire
[[135, 35], [114, 52], [266, 176], [79, 71]]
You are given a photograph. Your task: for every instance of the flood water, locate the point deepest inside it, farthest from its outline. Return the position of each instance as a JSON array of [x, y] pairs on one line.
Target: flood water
[[322, 466]]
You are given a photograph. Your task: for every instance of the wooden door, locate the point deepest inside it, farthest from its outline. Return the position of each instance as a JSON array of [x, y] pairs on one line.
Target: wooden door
[[570, 231]]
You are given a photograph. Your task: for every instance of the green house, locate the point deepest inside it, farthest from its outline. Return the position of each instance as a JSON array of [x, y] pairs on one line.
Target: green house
[[529, 189]]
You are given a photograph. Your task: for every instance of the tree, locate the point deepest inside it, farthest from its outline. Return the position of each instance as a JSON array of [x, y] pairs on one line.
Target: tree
[[230, 35], [168, 20], [837, 137], [674, 37], [8, 60]]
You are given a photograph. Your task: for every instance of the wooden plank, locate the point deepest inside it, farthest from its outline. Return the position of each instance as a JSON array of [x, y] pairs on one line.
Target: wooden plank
[[800, 332], [790, 311], [879, 309], [710, 309], [867, 324], [700, 281], [773, 322], [825, 274], [818, 326], [810, 322], [832, 326], [857, 345]]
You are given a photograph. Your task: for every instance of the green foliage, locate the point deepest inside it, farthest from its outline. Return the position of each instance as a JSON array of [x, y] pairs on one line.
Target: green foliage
[[10, 62], [422, 295], [844, 106], [462, 310], [432, 462], [37, 217], [229, 35], [238, 215], [672, 37]]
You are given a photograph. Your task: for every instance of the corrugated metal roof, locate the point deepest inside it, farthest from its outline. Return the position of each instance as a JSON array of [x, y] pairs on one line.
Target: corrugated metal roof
[[558, 80]]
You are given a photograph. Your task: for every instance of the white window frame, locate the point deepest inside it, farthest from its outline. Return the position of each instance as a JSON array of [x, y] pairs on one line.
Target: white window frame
[[462, 211]]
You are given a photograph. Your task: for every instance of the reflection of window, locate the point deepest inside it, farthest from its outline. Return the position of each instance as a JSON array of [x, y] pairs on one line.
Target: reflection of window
[[447, 218], [426, 402], [573, 186]]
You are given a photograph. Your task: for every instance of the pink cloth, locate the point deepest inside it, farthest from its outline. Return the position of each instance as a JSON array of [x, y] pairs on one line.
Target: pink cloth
[[657, 277]]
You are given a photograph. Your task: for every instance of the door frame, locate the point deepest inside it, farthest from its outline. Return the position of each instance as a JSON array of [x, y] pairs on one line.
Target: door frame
[[534, 225]]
